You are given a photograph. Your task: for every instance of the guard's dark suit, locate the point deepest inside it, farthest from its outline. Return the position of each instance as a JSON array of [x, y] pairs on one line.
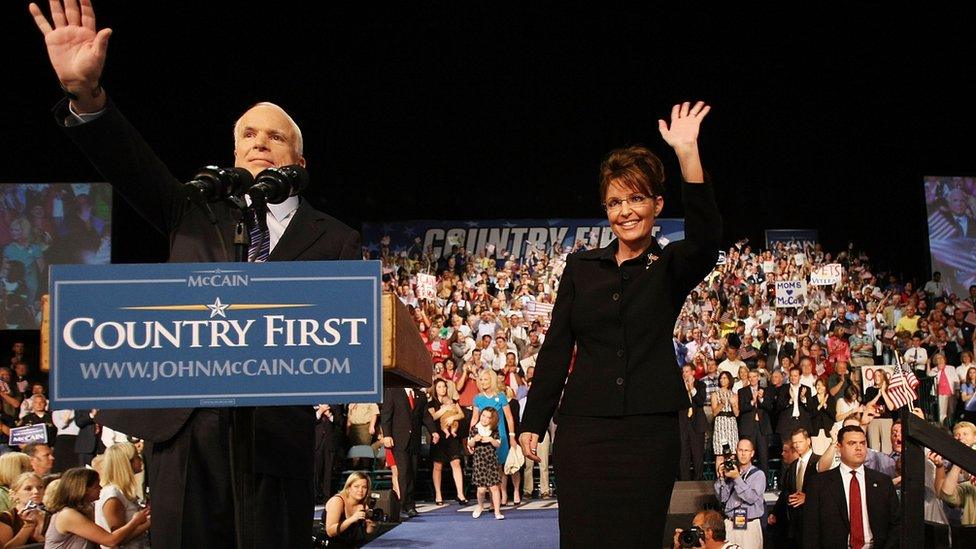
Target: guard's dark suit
[[793, 528], [190, 471], [329, 437], [86, 444], [826, 522], [402, 423]]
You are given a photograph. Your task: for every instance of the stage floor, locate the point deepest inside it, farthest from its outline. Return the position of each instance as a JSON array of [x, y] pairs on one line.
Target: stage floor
[[533, 524]]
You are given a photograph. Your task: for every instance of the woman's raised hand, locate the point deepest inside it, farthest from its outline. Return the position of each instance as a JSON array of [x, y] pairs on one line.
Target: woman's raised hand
[[685, 123]]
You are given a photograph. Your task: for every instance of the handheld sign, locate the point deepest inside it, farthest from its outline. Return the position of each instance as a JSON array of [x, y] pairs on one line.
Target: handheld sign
[[426, 286], [828, 275], [791, 293], [215, 334], [36, 434]]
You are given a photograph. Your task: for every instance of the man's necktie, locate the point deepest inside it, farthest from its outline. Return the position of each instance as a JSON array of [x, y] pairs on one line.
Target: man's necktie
[[857, 520], [754, 397], [410, 397], [260, 240], [800, 469]]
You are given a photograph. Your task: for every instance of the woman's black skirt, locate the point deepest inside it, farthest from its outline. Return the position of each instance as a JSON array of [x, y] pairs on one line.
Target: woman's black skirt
[[614, 478]]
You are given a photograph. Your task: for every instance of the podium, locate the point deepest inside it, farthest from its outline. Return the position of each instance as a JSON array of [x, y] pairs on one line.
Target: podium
[[129, 339], [406, 360]]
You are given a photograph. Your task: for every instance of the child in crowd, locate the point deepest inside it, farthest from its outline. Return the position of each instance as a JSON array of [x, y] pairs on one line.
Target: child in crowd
[[483, 441], [451, 420]]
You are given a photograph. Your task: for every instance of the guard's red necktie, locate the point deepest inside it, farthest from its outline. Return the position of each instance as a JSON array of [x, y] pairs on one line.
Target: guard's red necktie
[[410, 398], [857, 520]]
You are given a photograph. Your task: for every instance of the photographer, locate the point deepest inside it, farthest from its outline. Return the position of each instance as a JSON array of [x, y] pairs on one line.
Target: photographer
[[740, 488], [707, 530], [346, 520]]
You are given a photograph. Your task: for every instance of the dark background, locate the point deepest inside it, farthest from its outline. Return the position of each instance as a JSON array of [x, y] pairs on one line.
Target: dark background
[[824, 120]]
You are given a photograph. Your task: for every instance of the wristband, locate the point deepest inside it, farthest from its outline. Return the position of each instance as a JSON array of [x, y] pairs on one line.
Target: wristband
[[68, 94]]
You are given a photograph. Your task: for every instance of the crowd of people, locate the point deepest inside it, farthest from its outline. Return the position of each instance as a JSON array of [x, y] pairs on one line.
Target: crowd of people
[[785, 380], [45, 224], [81, 483], [753, 371]]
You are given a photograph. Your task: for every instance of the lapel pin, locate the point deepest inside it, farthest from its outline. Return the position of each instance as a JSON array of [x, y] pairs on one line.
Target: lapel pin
[[651, 258]]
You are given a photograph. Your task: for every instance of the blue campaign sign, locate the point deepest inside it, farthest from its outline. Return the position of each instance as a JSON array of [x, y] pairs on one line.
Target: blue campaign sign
[[215, 334], [36, 434]]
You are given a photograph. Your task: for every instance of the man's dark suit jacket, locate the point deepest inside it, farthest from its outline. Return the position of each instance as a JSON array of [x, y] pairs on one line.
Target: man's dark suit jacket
[[87, 440], [826, 522], [748, 425], [403, 424], [697, 422], [786, 423], [795, 514], [119, 153], [771, 347]]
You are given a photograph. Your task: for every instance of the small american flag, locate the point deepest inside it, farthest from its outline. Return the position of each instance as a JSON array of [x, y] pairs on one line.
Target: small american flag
[[539, 309], [912, 382], [900, 389]]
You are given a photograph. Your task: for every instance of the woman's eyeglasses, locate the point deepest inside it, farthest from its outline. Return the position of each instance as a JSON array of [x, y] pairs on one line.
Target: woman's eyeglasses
[[634, 200]]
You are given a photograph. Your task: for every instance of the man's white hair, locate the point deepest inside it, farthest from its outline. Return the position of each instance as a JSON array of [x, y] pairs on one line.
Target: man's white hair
[[299, 142]]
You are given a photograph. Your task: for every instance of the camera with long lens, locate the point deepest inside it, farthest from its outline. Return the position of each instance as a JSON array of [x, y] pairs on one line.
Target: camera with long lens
[[692, 537], [730, 462]]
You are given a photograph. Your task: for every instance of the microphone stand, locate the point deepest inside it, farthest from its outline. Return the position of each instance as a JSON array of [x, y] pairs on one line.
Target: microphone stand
[[242, 435]]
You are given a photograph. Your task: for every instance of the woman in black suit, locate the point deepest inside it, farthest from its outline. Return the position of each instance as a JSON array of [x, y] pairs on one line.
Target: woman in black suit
[[618, 444], [823, 409]]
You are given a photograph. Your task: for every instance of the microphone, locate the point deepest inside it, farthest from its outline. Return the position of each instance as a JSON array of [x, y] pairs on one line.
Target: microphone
[[213, 184], [274, 185]]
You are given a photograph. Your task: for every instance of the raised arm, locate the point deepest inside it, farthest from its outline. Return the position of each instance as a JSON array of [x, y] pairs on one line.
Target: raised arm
[[682, 136], [76, 49], [703, 224]]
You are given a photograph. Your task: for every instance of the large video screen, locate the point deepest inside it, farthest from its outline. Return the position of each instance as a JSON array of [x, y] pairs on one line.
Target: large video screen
[[951, 203], [45, 224]]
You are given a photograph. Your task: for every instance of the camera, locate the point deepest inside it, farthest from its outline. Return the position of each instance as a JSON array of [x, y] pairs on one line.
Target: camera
[[730, 461], [31, 505], [374, 513], [692, 537]]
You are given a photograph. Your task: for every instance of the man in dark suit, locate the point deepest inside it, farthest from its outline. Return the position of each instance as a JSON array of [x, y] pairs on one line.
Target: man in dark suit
[[402, 414], [330, 426], [86, 444], [851, 505], [692, 425], [754, 407], [779, 517], [190, 468], [776, 347], [793, 403], [792, 495]]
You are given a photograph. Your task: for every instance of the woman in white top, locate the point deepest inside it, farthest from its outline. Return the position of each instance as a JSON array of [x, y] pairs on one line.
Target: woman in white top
[[118, 500], [848, 405], [743, 380]]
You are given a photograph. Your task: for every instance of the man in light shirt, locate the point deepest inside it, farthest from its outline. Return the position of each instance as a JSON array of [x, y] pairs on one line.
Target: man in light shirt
[[916, 357]]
